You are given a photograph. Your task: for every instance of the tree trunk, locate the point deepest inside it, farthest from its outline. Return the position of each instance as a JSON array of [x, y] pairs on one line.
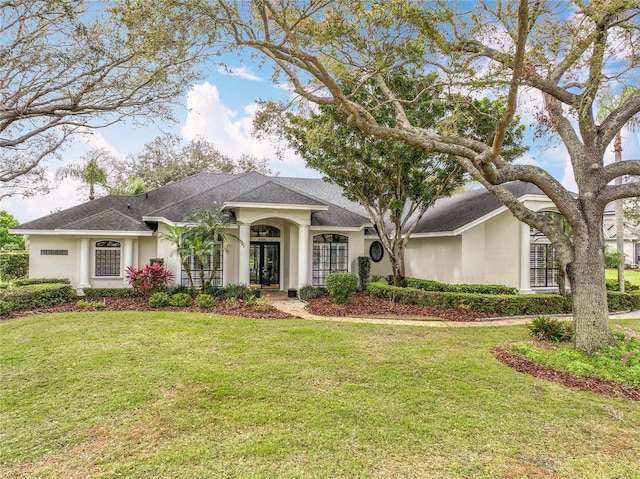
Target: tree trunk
[[397, 268], [619, 215], [590, 310]]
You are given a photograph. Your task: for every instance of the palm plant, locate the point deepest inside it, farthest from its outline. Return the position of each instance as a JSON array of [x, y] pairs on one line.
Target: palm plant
[[90, 173], [178, 238], [199, 239], [609, 103]]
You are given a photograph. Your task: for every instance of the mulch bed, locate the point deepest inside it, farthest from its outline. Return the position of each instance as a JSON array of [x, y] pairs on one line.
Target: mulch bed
[[240, 308], [583, 383], [362, 305]]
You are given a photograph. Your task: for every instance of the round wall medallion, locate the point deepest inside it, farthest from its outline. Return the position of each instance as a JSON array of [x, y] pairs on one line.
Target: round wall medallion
[[376, 251]]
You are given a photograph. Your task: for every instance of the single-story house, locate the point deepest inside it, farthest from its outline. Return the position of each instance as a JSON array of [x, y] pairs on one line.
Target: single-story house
[[293, 232], [631, 243]]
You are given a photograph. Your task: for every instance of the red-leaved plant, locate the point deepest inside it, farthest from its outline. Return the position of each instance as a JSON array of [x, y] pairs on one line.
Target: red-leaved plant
[[149, 279]]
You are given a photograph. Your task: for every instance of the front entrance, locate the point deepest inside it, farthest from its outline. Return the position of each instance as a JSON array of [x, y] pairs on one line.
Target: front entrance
[[264, 265]]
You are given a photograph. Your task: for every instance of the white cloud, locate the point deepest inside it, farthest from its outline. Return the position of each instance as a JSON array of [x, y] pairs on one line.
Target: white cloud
[[241, 72], [230, 131]]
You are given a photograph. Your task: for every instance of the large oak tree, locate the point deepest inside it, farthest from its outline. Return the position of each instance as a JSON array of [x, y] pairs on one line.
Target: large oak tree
[[562, 52], [69, 66], [395, 182]]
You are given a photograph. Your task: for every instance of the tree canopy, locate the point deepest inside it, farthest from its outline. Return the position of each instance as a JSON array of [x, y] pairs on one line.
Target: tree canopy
[[71, 66], [169, 158], [9, 241], [561, 53], [395, 182]]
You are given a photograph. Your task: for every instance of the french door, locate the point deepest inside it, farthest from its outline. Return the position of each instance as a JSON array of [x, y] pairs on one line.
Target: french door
[[264, 264]]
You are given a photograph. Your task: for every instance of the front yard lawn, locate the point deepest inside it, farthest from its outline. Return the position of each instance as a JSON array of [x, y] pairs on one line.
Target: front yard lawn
[[188, 395]]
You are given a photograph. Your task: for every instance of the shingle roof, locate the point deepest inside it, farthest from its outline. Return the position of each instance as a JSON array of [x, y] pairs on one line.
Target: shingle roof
[[175, 200], [452, 213]]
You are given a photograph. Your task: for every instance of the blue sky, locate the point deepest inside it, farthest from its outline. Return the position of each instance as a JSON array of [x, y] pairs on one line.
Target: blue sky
[[221, 109]]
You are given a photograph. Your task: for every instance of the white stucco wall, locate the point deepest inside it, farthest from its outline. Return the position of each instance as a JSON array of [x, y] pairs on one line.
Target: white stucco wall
[[54, 266], [437, 258], [502, 251]]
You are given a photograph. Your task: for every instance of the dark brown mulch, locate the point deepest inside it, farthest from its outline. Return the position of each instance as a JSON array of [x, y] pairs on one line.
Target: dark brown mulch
[[583, 383], [240, 308], [362, 305]]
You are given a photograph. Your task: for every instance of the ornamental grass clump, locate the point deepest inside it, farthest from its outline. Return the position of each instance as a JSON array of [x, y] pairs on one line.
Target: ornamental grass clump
[[341, 286], [550, 329]]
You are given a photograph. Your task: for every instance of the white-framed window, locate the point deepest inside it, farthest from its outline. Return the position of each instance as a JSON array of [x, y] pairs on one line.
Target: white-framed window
[[108, 261], [544, 263], [330, 254], [212, 266]]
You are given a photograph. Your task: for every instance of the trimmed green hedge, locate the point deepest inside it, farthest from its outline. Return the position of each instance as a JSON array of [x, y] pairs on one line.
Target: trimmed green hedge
[[14, 264], [431, 285], [30, 281], [510, 304], [36, 296], [623, 301], [110, 292]]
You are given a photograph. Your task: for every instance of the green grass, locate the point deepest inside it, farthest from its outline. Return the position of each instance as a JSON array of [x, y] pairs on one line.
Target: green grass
[[620, 363], [631, 275], [166, 395]]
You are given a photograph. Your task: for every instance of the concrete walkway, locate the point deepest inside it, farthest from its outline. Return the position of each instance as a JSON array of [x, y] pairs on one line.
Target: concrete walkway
[[295, 307]]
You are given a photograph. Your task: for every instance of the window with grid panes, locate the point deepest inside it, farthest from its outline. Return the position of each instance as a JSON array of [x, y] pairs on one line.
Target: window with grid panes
[[330, 254], [209, 267], [107, 258], [544, 266]]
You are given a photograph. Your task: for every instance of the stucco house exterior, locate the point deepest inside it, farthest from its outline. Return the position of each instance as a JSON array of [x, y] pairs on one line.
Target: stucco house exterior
[[631, 237], [294, 232]]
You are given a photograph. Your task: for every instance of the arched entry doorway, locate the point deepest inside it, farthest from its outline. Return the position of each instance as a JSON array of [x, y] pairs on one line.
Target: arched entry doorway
[[264, 257]]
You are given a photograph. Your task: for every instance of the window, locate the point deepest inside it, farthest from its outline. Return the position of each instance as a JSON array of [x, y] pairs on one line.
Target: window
[[54, 252], [376, 251], [330, 254], [544, 264], [211, 265], [107, 258], [264, 231]]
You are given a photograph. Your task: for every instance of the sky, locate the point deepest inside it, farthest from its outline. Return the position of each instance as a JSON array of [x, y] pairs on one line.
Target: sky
[[221, 110]]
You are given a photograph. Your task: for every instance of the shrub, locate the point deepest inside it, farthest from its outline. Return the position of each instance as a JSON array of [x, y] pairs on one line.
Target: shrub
[[548, 329], [179, 288], [509, 304], [109, 293], [30, 281], [431, 285], [159, 300], [341, 286], [36, 296], [205, 301], [238, 291], [612, 285], [310, 292], [623, 301], [364, 269], [14, 264], [612, 260], [82, 304], [180, 299], [149, 279]]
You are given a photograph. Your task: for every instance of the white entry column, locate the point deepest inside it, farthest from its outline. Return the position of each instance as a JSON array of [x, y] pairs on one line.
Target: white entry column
[[85, 260], [243, 263], [128, 258], [303, 256], [525, 258]]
